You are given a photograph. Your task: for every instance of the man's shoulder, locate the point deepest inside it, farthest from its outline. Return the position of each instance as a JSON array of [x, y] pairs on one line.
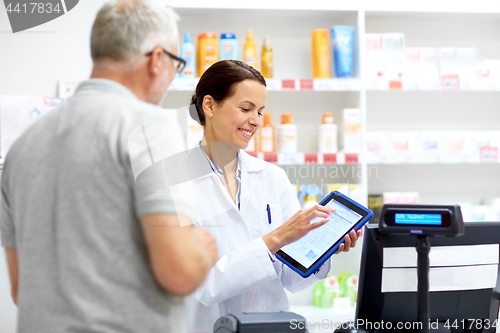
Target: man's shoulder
[[112, 114], [112, 103], [110, 96]]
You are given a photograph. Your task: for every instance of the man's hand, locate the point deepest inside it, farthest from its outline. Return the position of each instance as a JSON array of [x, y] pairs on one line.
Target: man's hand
[[208, 243], [13, 266], [180, 257]]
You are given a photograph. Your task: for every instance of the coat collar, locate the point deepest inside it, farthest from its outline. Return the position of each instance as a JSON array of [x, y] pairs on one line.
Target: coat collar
[[201, 166], [250, 163]]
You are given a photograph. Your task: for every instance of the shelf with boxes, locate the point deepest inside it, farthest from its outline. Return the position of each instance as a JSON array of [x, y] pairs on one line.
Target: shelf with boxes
[[445, 148], [462, 38], [292, 46], [426, 55], [485, 84], [289, 144], [432, 124], [333, 84], [308, 94], [432, 134], [473, 187], [290, 42], [308, 158], [429, 147]]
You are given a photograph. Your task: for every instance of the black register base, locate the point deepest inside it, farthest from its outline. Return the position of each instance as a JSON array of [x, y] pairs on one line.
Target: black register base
[[261, 322]]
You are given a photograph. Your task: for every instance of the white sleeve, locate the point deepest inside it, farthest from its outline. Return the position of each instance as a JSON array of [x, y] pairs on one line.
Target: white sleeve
[[237, 272], [293, 282], [289, 206]]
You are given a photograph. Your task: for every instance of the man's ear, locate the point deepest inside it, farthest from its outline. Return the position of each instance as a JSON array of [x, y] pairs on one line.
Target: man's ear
[[155, 63], [208, 105]]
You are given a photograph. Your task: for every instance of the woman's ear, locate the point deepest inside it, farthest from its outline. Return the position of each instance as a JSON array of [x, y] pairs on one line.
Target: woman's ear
[[208, 105]]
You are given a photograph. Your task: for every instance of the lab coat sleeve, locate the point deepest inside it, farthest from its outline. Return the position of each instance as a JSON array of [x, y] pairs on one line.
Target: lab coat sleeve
[[293, 282], [290, 280], [237, 272]]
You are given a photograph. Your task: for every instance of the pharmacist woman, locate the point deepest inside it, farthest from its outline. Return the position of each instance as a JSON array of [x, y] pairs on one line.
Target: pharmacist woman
[[232, 199]]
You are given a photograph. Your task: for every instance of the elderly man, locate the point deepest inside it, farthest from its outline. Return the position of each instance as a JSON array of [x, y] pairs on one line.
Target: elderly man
[[90, 248]]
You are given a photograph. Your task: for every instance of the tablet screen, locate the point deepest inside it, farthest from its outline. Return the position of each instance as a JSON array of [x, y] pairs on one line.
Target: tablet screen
[[307, 250]]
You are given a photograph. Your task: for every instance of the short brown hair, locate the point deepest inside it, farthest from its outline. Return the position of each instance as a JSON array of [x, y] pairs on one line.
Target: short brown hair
[[218, 81]]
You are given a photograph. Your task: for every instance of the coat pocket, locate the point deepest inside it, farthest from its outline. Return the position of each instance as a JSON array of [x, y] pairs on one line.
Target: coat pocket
[[270, 218]]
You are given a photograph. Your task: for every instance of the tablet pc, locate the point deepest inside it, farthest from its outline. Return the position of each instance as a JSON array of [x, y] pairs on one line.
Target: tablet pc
[[306, 255]]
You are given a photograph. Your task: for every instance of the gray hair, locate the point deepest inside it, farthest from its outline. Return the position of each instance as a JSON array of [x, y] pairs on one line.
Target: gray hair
[[124, 30]]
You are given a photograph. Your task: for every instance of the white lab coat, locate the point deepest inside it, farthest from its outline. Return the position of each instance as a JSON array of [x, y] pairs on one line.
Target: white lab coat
[[244, 279]]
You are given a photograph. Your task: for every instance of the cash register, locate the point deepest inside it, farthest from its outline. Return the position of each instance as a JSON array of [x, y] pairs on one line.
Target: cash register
[[409, 233], [463, 294]]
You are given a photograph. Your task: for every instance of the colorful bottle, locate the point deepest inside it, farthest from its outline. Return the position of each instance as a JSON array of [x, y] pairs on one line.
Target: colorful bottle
[[266, 135], [250, 51], [327, 136], [228, 47], [187, 53], [348, 285], [310, 195], [267, 59], [324, 292], [208, 51], [287, 134], [320, 54], [343, 49], [351, 122]]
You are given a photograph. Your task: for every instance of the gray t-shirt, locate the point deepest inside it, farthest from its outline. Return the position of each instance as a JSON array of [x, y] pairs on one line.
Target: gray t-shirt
[[71, 206]]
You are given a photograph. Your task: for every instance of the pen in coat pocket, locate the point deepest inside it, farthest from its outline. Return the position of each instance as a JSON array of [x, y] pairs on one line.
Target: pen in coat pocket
[[269, 213]]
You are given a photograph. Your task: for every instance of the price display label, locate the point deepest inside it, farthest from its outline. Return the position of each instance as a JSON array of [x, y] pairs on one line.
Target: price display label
[[351, 158], [311, 158], [290, 159], [306, 85], [273, 84], [377, 85], [288, 84], [489, 154], [271, 158], [329, 158], [321, 84], [450, 82]]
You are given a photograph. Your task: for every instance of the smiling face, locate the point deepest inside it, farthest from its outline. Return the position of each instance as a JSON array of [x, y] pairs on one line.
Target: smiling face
[[238, 117]]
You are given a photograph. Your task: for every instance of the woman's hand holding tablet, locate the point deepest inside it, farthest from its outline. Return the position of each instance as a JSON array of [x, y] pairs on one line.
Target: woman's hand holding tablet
[[297, 226], [350, 241], [308, 253]]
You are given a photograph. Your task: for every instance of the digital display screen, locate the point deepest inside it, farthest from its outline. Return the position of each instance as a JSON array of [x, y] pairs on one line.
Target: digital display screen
[[419, 219], [311, 247]]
